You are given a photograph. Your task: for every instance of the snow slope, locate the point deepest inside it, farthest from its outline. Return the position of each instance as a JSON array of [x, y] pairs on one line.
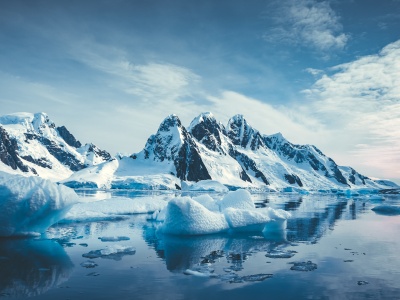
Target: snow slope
[[237, 156], [31, 144]]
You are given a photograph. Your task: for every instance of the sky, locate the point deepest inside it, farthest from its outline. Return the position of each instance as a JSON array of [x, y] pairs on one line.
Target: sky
[[325, 73]]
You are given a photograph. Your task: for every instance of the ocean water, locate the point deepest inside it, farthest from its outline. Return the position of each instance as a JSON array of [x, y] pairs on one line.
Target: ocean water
[[334, 247]]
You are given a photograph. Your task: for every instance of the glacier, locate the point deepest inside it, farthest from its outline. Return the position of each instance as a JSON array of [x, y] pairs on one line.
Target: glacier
[[29, 205]]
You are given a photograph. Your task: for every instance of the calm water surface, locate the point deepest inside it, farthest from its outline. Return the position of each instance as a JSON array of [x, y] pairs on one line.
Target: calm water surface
[[333, 248]]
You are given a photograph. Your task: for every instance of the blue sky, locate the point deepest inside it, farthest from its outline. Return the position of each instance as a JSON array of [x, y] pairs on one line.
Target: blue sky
[[321, 72]]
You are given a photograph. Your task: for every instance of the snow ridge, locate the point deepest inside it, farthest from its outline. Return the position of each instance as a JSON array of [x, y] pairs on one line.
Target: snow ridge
[[237, 156]]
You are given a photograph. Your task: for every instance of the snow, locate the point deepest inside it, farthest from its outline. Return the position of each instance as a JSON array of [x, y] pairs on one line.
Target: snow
[[125, 173], [114, 207], [204, 185], [29, 205], [204, 215]]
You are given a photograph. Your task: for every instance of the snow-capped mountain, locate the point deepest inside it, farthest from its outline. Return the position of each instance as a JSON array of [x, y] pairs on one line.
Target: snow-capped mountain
[[237, 155], [32, 144]]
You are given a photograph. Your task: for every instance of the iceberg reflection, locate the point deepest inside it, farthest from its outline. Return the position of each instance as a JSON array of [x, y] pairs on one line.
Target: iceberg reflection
[[31, 267]]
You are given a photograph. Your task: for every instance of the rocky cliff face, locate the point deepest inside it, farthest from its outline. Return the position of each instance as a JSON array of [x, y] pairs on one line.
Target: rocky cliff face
[[240, 152]]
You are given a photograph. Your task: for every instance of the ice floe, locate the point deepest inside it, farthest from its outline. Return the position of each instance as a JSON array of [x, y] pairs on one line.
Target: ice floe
[[115, 252], [304, 266]]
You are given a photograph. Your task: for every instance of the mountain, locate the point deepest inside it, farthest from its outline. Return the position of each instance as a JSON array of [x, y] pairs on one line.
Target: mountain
[[237, 155], [32, 144]]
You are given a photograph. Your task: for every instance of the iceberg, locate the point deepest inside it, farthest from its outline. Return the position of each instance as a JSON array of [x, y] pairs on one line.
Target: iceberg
[[29, 205], [203, 215], [184, 216]]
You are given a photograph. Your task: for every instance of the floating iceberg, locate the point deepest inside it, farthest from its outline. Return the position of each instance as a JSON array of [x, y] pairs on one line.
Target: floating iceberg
[[184, 216], [203, 215], [29, 205]]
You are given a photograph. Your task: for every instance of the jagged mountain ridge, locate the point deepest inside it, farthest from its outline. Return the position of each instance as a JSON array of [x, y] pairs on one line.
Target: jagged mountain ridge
[[237, 155], [32, 144]]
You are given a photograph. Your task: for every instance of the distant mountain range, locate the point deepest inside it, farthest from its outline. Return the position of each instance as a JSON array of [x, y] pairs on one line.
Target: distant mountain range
[[237, 155]]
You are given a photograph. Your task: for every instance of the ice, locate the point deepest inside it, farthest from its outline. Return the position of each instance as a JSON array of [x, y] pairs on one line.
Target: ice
[[281, 254], [89, 264], [29, 205], [203, 215], [184, 216], [245, 220], [303, 266], [205, 185], [240, 199], [109, 208], [200, 271], [387, 210], [208, 202], [115, 252], [113, 238]]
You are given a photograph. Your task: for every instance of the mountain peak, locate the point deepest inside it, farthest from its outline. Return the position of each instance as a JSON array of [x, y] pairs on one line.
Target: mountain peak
[[169, 122], [241, 133]]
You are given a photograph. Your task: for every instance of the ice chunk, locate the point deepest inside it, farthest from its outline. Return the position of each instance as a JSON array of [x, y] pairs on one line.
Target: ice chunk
[[89, 264], [240, 199], [184, 216], [281, 254], [387, 210], [245, 220], [205, 185], [29, 205], [114, 206], [303, 266], [200, 271], [113, 238], [237, 212], [115, 252], [256, 277]]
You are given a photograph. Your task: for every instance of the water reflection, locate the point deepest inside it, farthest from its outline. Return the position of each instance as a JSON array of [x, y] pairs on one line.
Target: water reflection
[[31, 267], [181, 253]]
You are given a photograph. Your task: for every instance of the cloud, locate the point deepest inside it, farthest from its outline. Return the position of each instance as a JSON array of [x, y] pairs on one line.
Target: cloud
[[362, 99], [308, 23], [150, 82]]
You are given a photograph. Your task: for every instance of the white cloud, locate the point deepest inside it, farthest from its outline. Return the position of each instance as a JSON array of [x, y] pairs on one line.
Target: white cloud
[[149, 82], [362, 99], [309, 23]]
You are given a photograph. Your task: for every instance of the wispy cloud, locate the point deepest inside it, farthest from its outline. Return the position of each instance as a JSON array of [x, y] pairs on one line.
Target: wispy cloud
[[308, 23], [363, 99], [149, 82]]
